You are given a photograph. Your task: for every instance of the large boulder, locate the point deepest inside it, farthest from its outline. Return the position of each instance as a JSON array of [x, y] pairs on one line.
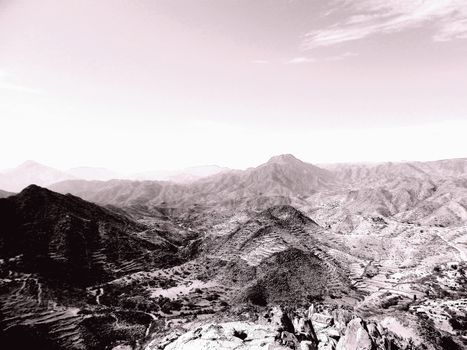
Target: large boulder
[[341, 318], [325, 342], [356, 337]]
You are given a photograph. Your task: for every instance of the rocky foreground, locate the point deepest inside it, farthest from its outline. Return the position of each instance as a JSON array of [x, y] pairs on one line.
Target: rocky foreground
[[312, 329]]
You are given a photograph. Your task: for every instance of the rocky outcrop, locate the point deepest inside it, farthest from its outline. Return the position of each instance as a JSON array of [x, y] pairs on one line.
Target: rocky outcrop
[[224, 336], [356, 337], [289, 329]]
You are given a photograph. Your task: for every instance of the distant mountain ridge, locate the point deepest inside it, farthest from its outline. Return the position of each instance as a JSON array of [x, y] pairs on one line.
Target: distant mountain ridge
[[180, 176], [423, 192], [4, 194], [280, 178], [31, 172], [422, 170], [92, 173]]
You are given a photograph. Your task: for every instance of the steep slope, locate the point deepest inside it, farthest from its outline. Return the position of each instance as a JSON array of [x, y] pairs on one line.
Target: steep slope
[[279, 181], [70, 238], [56, 251], [28, 173], [286, 175], [279, 254]]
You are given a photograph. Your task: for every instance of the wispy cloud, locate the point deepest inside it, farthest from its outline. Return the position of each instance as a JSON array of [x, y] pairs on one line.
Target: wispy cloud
[[302, 59], [299, 60], [360, 19]]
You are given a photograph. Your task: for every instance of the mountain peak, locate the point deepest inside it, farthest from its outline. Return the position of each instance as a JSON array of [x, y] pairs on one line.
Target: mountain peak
[[283, 159], [34, 190], [30, 164]]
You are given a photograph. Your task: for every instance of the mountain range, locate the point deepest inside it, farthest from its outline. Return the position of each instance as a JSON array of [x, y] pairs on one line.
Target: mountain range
[[379, 251], [423, 192]]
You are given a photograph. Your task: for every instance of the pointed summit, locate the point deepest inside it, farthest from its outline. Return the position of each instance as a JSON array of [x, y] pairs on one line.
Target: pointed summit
[[33, 188], [31, 172], [284, 159], [30, 164]]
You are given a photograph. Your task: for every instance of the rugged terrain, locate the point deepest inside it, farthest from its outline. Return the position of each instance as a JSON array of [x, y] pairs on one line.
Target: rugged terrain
[[379, 250]]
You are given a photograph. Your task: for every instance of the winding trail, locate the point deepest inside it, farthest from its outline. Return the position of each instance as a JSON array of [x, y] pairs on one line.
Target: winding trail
[[462, 255], [39, 291], [100, 292], [154, 319]]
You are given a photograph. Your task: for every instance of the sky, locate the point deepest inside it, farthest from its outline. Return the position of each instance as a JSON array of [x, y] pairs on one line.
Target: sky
[[136, 85]]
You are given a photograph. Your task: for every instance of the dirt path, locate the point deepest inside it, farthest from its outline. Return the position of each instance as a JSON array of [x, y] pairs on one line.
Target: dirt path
[[462, 255], [100, 292]]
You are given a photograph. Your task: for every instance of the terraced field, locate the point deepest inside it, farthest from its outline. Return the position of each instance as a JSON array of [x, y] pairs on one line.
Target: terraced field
[[59, 324]]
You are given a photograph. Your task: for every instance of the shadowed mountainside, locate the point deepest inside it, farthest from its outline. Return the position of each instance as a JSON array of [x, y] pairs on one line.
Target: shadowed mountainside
[[67, 236], [56, 250]]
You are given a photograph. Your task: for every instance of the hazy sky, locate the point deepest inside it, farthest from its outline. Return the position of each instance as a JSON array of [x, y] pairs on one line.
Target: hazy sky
[[155, 84]]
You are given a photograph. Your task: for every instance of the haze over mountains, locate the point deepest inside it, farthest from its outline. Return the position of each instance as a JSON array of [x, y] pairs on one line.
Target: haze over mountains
[[31, 172]]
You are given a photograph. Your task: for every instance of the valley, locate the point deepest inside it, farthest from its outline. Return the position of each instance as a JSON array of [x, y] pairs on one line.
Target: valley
[[376, 249]]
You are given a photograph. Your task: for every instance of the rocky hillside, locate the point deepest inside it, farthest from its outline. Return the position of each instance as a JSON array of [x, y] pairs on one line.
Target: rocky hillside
[[69, 237], [277, 255], [56, 251]]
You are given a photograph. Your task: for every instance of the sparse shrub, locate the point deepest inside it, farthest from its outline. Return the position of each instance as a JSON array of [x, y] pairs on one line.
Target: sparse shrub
[[240, 334], [458, 322], [256, 295], [212, 297]]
